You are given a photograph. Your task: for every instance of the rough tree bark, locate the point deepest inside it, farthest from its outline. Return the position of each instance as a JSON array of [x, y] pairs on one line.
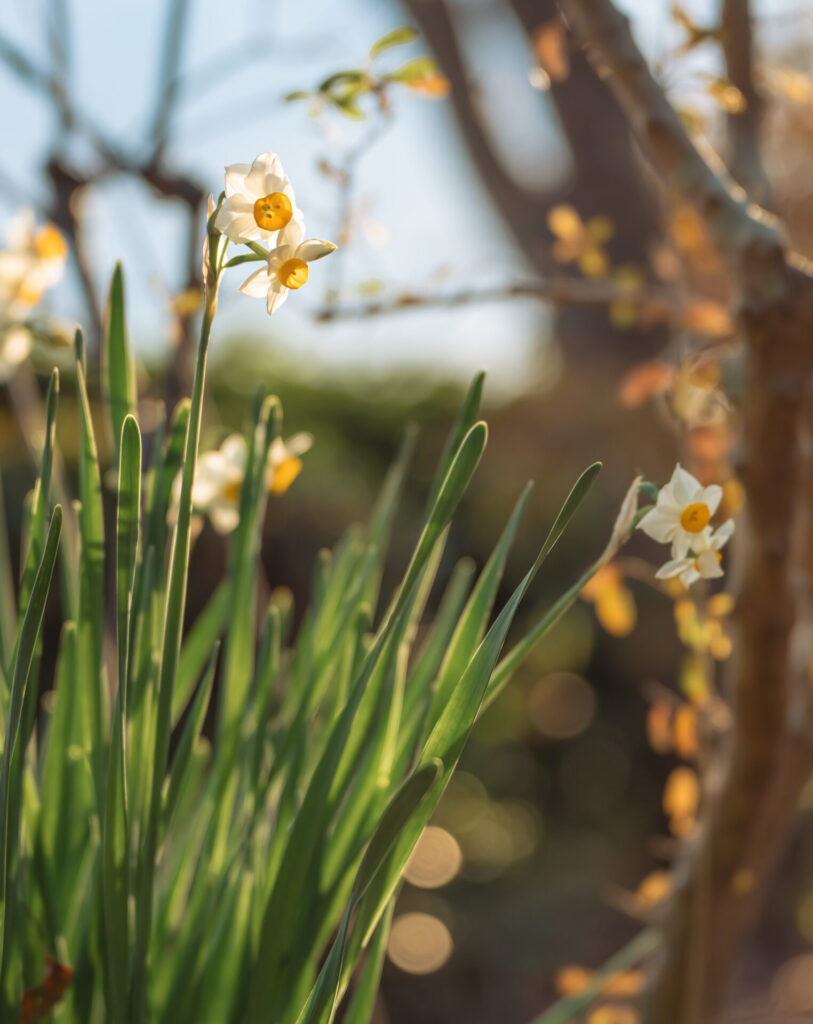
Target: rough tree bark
[[751, 800]]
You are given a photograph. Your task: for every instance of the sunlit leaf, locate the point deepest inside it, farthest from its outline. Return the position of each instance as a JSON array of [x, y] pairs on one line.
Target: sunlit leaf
[[398, 37]]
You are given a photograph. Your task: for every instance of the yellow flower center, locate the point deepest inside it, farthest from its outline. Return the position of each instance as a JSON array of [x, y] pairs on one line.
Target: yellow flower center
[[50, 245], [231, 492], [273, 211], [285, 474], [695, 517], [293, 273]]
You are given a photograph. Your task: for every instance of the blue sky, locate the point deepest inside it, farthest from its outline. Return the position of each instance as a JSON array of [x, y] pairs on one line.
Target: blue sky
[[455, 240]]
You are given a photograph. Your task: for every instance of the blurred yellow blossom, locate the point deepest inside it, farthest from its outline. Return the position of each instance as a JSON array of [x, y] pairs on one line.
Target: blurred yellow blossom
[[32, 262], [694, 680], [284, 461], [654, 888], [612, 1013], [579, 241], [629, 281], [696, 398], [612, 599], [681, 798], [727, 95], [792, 84], [433, 85], [644, 381], [684, 729], [572, 979]]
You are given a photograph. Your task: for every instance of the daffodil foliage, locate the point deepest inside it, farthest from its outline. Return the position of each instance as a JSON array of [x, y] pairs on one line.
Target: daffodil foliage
[[154, 871]]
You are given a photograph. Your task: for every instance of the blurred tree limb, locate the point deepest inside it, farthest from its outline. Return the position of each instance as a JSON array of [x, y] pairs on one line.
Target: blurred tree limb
[[744, 156], [613, 186], [559, 290], [753, 794], [146, 162]]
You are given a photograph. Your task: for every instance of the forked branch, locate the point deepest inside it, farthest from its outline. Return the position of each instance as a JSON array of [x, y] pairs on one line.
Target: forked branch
[[724, 872]]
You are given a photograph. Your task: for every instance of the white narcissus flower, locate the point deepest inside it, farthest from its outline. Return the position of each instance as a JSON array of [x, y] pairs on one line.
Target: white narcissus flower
[[703, 561], [286, 269], [34, 261], [260, 205], [284, 462], [220, 473], [218, 482], [682, 511]]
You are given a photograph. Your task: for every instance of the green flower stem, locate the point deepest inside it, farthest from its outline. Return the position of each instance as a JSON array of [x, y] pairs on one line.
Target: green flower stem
[[569, 1009], [173, 625]]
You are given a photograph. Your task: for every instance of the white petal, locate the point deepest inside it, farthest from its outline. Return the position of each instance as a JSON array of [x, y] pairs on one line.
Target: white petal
[[233, 450], [314, 249], [266, 175], [277, 294], [15, 346], [20, 229], [293, 232], [236, 178], [673, 568], [257, 284], [690, 576], [722, 535], [300, 443], [209, 480], [685, 487], [294, 446], [238, 225], [712, 496], [708, 565], [278, 256], [658, 526], [681, 543], [224, 516]]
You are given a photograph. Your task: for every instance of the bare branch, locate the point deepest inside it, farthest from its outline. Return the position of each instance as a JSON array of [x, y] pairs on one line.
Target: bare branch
[[436, 24], [744, 155], [168, 75], [660, 303], [723, 876]]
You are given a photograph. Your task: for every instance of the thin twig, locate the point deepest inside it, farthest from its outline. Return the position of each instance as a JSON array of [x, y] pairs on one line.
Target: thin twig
[[659, 302]]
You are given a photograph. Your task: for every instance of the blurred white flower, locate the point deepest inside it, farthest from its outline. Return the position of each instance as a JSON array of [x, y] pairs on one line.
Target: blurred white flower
[[220, 473], [286, 268], [218, 482], [703, 560], [284, 462], [260, 205], [16, 342], [683, 510], [33, 261]]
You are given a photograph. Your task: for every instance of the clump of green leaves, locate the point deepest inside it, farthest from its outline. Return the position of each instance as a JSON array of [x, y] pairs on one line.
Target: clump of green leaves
[[346, 90], [248, 877]]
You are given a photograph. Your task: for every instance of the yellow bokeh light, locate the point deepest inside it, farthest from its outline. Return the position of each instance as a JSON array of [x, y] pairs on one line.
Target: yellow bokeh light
[[792, 986], [561, 705], [419, 943], [435, 860]]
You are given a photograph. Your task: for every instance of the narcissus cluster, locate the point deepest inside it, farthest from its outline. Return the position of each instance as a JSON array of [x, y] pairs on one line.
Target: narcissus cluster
[[258, 208], [682, 518]]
